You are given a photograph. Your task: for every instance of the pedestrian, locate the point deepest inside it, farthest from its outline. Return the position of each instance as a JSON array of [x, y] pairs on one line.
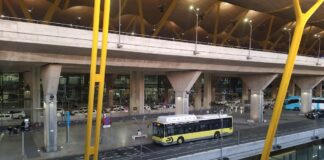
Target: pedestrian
[[10, 130]]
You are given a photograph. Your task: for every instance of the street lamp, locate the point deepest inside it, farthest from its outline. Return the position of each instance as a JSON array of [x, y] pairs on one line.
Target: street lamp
[[288, 30], [196, 11], [249, 21], [319, 48], [119, 45]]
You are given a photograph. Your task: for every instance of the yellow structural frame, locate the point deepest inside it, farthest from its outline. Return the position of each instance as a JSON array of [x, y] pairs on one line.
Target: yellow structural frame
[[301, 20], [97, 78]]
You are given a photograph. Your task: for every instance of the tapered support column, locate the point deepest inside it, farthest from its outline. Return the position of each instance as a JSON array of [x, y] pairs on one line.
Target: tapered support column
[[257, 101], [306, 85], [318, 90], [257, 83], [182, 82], [291, 89], [207, 90], [197, 94], [50, 79], [36, 94], [137, 93], [245, 93]]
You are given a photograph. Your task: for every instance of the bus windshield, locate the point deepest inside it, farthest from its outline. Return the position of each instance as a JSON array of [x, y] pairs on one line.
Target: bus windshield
[[158, 130]]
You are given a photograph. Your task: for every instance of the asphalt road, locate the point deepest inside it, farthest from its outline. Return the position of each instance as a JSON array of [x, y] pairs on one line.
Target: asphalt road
[[157, 152]]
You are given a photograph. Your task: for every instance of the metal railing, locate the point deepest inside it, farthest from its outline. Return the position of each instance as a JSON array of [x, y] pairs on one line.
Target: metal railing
[[138, 35]]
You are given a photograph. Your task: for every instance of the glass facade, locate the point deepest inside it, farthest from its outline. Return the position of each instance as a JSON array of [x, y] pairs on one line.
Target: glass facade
[[11, 91]]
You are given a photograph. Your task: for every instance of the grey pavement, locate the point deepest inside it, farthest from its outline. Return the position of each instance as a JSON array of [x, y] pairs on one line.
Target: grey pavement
[[117, 142]]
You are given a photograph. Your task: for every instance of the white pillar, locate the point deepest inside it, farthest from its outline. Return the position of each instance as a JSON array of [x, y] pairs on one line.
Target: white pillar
[[182, 83], [197, 94], [306, 85], [207, 90], [33, 79], [136, 93], [291, 88], [50, 80], [257, 83], [257, 101], [318, 90], [245, 93]]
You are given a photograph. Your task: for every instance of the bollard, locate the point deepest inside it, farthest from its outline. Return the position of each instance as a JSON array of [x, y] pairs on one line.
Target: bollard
[[23, 144], [67, 117]]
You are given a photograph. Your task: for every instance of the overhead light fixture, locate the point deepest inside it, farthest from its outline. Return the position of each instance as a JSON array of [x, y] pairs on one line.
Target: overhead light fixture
[[247, 20], [133, 33], [79, 18]]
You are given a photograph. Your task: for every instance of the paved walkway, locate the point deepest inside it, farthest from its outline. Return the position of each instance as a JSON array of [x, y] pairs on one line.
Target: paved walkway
[[117, 138]]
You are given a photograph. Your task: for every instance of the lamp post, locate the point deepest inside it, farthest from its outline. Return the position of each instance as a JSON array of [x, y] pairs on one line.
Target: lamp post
[[119, 45], [249, 21], [196, 11], [319, 48], [288, 30]]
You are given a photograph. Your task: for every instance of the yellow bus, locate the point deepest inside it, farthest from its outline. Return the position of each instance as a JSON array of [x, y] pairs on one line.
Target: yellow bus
[[177, 129]]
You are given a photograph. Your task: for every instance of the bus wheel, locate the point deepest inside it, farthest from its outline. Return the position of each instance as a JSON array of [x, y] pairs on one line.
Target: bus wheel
[[217, 135], [180, 140]]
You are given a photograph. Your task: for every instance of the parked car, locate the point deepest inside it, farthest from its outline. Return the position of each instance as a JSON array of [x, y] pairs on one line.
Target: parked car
[[147, 107], [119, 108], [5, 117], [82, 110], [16, 114], [60, 112], [315, 114]]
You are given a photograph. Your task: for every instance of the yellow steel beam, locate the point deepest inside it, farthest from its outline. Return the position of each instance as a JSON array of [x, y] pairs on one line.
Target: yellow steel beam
[[140, 12], [311, 47], [97, 78], [266, 41], [124, 6], [301, 20], [11, 10], [216, 22], [175, 32], [66, 4], [24, 9], [228, 35], [130, 23], [50, 12], [306, 39], [165, 17], [1, 7], [280, 9]]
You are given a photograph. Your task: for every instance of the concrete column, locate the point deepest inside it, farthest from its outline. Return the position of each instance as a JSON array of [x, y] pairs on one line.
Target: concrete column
[[306, 85], [50, 80], [136, 93], [318, 90], [275, 88], [32, 79], [207, 90], [257, 83], [182, 83], [27, 92], [213, 92], [110, 88], [197, 94], [245, 93], [291, 88]]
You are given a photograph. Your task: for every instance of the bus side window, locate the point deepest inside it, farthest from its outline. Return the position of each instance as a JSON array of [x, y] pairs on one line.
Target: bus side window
[[203, 126], [227, 122], [169, 130], [321, 101], [178, 130]]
